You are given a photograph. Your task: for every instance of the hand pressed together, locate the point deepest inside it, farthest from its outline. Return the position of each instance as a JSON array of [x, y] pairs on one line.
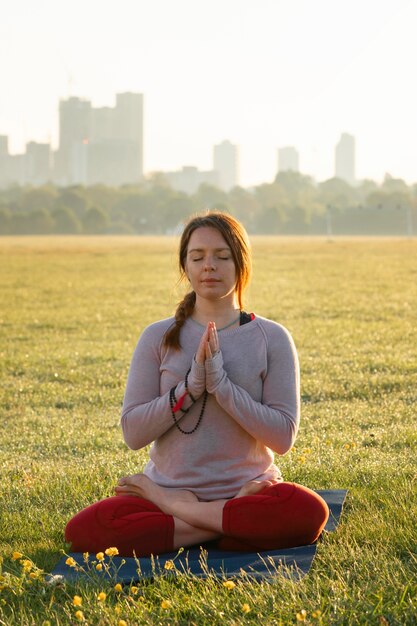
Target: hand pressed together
[[209, 344]]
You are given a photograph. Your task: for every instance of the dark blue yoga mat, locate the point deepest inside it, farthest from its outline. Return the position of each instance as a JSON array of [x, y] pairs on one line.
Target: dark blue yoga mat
[[203, 562]]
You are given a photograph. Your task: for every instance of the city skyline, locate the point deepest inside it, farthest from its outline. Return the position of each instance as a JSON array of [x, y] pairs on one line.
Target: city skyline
[[104, 145], [262, 76]]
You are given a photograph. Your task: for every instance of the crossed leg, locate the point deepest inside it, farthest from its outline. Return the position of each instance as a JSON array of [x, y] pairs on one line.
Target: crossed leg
[[191, 517], [145, 518]]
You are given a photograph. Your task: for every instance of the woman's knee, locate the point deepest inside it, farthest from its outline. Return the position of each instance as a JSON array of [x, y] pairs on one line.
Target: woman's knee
[[283, 515], [315, 509], [98, 522], [129, 523]]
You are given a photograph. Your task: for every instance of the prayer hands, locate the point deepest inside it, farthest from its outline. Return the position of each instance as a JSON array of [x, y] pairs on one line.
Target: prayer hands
[[209, 344]]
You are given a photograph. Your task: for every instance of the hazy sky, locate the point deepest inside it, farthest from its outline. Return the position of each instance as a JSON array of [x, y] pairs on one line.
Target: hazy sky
[[261, 73]]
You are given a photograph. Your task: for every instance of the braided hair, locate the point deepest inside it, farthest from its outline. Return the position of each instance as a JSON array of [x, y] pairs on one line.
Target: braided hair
[[237, 239]]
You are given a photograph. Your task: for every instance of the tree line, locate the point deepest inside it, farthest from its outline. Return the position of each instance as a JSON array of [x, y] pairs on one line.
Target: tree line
[[292, 204]]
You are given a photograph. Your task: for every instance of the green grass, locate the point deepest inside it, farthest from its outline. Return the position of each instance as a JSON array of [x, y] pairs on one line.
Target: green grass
[[71, 312]]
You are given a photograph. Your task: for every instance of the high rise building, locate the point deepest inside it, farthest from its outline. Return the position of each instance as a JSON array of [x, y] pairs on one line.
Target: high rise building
[[100, 145], [102, 123], [38, 163], [345, 158], [288, 159], [129, 125], [74, 133], [225, 162]]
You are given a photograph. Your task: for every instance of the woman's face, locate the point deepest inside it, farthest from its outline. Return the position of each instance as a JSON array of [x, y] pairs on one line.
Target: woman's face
[[209, 265]]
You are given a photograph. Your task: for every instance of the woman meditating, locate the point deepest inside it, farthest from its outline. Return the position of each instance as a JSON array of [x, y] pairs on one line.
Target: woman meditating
[[217, 392]]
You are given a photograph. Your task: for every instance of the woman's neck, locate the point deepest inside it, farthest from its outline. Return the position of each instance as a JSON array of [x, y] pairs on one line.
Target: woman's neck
[[221, 312]]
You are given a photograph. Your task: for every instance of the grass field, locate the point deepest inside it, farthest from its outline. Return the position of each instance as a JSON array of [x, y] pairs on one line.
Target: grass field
[[71, 312]]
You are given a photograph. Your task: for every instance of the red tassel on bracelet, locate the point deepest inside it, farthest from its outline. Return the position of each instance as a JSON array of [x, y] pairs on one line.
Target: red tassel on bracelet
[[180, 402]]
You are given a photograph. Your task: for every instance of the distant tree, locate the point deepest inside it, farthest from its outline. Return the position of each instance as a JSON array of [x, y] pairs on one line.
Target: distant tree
[[177, 208], [272, 196], [66, 222], [40, 222], [95, 221], [120, 228], [209, 197], [269, 221], [20, 223], [337, 194], [293, 182], [37, 198], [10, 196], [389, 200], [5, 221], [130, 207], [245, 206], [102, 196], [73, 198], [391, 184], [364, 188]]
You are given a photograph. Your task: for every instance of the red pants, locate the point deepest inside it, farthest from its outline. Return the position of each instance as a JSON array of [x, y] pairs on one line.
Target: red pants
[[284, 515]]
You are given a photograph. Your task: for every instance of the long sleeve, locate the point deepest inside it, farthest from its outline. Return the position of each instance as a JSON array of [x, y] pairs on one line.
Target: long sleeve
[[274, 421], [146, 413]]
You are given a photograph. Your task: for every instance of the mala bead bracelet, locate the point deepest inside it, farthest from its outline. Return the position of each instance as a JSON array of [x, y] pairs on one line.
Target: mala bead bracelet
[[175, 406]]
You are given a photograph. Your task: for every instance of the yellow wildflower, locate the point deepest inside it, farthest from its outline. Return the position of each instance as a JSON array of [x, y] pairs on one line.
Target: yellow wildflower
[[117, 610], [111, 552], [99, 567], [316, 614], [229, 584], [86, 557], [77, 600], [245, 608], [71, 562], [302, 459], [79, 615], [101, 596], [302, 616], [306, 450], [134, 590], [121, 622], [166, 604], [169, 565], [100, 556], [346, 446], [27, 565], [118, 587], [141, 598], [16, 555], [34, 574]]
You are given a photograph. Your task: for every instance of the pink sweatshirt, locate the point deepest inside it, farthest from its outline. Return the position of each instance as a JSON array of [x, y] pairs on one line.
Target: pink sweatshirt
[[252, 408]]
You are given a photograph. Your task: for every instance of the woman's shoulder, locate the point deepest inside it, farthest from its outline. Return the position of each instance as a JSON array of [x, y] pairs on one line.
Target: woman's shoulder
[[155, 331], [273, 330]]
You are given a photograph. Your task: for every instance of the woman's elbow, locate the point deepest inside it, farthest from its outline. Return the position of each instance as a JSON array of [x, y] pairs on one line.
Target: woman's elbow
[[132, 439], [286, 441]]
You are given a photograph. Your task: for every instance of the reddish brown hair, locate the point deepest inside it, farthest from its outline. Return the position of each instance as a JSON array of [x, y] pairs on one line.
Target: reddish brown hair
[[236, 238]]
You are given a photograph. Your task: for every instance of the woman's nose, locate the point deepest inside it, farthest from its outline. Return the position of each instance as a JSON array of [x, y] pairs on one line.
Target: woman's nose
[[209, 264]]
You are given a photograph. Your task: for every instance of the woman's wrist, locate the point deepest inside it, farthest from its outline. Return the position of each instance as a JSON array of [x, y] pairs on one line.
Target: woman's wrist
[[196, 379]]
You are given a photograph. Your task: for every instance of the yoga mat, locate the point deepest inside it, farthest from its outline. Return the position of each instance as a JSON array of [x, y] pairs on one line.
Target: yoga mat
[[202, 562]]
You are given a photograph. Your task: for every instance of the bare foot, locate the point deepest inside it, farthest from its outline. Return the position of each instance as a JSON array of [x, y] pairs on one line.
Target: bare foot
[[143, 487], [253, 487]]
